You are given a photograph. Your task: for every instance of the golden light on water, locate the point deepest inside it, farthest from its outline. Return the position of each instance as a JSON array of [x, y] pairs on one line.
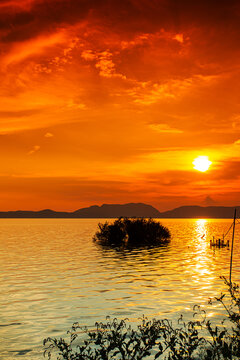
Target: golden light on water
[[202, 263], [201, 229], [202, 163]]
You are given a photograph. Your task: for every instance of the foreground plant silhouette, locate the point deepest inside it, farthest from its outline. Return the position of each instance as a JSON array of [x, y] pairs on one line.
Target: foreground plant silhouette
[[132, 232], [156, 339]]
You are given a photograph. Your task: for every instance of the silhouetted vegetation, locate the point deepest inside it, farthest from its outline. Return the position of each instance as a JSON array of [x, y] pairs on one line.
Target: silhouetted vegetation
[[132, 232], [157, 339]]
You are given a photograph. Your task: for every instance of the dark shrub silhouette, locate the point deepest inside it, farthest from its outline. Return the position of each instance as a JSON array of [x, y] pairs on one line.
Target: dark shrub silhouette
[[132, 232], [196, 339], [111, 234]]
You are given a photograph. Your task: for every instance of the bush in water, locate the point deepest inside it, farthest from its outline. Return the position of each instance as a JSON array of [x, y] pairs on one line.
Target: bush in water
[[132, 232]]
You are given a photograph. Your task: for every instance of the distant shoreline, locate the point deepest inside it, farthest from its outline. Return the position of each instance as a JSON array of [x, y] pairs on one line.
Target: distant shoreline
[[112, 211]]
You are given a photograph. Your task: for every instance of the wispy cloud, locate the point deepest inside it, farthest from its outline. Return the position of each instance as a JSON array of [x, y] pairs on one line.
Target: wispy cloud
[[34, 150], [48, 135], [150, 93], [33, 47], [103, 62], [165, 128], [15, 5]]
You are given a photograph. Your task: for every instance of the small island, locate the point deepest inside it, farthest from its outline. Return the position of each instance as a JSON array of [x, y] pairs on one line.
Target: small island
[[132, 232]]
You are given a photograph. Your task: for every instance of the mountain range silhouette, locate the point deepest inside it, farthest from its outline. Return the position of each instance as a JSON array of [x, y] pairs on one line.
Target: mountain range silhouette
[[128, 210]]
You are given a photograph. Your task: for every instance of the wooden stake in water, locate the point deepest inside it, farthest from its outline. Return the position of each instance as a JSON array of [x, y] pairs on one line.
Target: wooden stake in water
[[234, 222]]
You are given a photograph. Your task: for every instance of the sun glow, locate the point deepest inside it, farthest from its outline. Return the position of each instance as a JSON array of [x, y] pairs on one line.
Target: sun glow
[[202, 163]]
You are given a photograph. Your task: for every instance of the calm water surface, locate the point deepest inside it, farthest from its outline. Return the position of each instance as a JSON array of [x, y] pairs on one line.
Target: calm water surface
[[52, 275]]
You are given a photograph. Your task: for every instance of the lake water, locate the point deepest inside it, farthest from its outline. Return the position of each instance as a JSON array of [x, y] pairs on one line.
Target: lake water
[[52, 275]]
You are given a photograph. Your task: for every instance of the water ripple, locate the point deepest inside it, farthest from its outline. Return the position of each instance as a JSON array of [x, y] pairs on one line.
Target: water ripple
[[52, 275]]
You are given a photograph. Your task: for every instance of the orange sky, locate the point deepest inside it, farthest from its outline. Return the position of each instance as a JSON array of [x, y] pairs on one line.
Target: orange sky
[[106, 101]]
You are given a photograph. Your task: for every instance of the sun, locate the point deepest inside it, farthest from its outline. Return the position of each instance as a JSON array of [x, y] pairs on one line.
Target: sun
[[202, 163]]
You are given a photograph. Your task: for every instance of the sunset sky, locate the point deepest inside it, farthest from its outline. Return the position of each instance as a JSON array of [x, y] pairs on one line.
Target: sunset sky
[[107, 101]]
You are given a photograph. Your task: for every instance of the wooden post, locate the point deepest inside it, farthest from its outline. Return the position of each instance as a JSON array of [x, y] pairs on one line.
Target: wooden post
[[234, 221]]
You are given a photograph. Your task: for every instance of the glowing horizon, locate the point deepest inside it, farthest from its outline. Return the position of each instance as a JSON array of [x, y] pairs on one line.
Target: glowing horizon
[[108, 102]]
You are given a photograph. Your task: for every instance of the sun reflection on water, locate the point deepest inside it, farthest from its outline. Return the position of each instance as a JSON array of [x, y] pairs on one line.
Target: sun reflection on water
[[203, 269], [201, 228]]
